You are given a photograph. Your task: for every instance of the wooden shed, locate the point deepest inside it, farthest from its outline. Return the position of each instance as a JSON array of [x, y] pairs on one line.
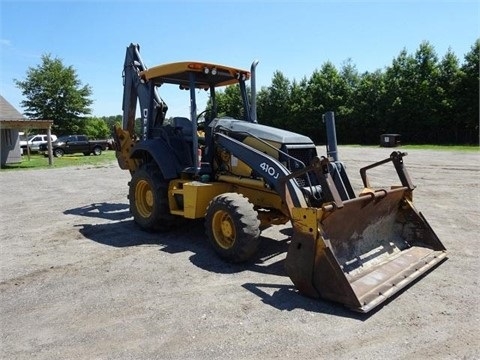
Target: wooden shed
[[11, 123]]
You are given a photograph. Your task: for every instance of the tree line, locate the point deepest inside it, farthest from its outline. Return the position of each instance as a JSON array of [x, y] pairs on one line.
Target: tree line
[[426, 99]]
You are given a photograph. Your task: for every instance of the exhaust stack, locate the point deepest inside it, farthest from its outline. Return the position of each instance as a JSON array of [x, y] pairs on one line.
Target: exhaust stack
[[253, 90]]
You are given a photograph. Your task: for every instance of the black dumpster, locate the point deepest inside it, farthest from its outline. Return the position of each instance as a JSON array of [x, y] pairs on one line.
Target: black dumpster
[[390, 140]]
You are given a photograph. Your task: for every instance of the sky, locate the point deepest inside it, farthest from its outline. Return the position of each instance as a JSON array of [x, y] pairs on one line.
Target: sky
[[294, 37]]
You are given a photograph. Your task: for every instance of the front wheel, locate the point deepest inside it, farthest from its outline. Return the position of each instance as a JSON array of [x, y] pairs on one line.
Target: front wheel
[[232, 227], [58, 152]]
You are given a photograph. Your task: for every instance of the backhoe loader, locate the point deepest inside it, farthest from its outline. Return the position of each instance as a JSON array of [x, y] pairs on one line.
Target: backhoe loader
[[241, 176]]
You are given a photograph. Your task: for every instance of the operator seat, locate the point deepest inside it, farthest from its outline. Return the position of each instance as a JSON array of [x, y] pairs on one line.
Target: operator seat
[[185, 125]]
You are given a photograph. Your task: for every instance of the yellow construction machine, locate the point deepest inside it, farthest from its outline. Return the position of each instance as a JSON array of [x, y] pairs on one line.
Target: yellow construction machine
[[241, 176]]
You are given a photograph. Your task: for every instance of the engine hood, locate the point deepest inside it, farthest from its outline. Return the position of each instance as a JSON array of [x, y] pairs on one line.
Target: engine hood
[[261, 131]]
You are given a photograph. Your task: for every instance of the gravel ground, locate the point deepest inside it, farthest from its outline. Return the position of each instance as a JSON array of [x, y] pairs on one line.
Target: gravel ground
[[78, 280]]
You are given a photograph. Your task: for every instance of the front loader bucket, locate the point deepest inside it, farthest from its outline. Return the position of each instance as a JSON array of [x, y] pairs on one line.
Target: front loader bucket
[[364, 252]]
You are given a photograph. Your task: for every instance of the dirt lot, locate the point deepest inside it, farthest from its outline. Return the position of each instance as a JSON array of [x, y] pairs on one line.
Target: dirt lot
[[80, 281]]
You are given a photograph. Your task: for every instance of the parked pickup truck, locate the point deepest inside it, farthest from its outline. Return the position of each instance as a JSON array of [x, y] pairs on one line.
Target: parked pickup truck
[[72, 144]]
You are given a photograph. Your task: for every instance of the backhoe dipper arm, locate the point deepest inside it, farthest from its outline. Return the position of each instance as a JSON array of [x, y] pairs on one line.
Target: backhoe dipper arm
[[276, 175], [152, 111]]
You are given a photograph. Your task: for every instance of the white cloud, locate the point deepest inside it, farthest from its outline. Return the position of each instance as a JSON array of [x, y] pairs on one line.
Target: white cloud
[[5, 42]]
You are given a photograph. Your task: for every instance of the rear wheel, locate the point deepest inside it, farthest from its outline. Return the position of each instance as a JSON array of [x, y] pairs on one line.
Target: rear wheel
[[233, 227], [148, 196], [97, 151]]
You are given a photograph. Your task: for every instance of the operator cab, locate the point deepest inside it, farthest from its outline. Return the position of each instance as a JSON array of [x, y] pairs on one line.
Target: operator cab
[[184, 134]]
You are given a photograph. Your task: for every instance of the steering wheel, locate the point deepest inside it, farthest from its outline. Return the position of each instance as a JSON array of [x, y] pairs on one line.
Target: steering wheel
[[201, 125]]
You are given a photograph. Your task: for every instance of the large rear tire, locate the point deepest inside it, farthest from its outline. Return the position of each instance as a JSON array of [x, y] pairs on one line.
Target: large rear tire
[[148, 196], [232, 227]]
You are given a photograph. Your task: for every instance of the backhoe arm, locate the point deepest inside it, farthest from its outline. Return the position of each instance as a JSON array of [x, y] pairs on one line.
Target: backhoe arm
[[153, 108]]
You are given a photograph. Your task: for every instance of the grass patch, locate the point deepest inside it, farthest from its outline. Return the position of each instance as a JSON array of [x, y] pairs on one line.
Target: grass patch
[[41, 162], [469, 148], [459, 148]]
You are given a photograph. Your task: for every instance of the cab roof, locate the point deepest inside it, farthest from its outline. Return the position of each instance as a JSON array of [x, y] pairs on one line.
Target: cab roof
[[206, 74]]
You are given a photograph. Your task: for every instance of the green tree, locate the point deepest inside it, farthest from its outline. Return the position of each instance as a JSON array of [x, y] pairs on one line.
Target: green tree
[[112, 120], [54, 92], [412, 84], [349, 126], [427, 99], [326, 91], [469, 94], [275, 102], [96, 128], [351, 79], [229, 102], [298, 104], [369, 109], [449, 94]]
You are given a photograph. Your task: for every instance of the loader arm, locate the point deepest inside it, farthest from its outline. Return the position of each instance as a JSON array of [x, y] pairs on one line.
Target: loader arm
[[276, 175], [282, 180]]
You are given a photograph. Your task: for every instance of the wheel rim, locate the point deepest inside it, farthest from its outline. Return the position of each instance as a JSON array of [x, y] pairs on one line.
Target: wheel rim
[[144, 198], [223, 229]]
